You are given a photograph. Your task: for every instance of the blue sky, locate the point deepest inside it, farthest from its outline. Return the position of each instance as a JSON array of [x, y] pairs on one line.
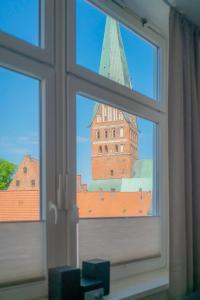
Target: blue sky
[[19, 100]]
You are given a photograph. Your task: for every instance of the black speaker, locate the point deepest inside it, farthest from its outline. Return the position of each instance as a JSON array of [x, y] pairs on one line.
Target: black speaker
[[64, 283], [97, 269]]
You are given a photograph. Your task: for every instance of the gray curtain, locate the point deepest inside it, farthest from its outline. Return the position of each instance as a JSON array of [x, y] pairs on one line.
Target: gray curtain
[[184, 155]]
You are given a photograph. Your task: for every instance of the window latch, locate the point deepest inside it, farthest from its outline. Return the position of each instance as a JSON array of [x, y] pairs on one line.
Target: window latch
[[52, 206]]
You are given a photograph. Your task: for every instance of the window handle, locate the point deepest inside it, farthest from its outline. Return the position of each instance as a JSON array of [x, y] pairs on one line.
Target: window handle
[[59, 192], [53, 207]]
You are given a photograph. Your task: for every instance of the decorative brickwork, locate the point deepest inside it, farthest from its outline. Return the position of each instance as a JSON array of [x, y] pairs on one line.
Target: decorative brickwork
[[114, 141]]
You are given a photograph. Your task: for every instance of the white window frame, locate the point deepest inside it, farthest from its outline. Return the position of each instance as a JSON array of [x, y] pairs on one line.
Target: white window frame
[[46, 64], [55, 65], [82, 81]]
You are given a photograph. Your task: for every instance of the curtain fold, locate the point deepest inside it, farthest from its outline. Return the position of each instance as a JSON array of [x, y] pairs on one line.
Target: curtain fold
[[184, 155]]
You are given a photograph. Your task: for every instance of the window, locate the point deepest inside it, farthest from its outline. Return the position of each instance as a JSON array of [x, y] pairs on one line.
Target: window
[[121, 132], [27, 121], [123, 172], [139, 56], [17, 182], [25, 170], [136, 155], [106, 134], [97, 134], [105, 86]]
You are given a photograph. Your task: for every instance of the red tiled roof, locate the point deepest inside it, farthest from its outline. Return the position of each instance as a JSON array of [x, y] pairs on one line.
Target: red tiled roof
[[24, 205], [21, 205], [113, 204]]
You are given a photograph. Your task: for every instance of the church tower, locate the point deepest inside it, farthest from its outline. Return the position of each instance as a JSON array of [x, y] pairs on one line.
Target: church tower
[[114, 134]]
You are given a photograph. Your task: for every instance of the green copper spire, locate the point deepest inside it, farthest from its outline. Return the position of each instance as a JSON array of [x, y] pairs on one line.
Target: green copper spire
[[113, 63]]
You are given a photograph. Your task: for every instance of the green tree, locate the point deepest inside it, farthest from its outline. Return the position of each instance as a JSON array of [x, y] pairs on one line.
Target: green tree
[[6, 171]]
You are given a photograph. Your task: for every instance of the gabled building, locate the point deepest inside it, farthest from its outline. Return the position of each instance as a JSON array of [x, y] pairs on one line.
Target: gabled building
[[27, 175]]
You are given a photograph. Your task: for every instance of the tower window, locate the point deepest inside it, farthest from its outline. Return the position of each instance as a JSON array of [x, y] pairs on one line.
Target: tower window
[[121, 132], [100, 149], [116, 148], [113, 133], [25, 170], [111, 172], [121, 148], [106, 149], [106, 134], [97, 134]]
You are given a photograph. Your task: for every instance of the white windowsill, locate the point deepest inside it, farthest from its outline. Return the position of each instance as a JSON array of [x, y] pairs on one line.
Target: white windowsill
[[139, 286]]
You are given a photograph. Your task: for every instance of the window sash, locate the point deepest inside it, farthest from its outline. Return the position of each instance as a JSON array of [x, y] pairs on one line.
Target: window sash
[[87, 89], [133, 24], [28, 67]]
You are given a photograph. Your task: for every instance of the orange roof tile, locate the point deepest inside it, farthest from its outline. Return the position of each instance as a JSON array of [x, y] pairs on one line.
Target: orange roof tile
[[113, 204], [19, 205]]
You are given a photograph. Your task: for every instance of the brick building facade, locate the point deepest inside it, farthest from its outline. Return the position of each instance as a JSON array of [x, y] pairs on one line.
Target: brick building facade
[[27, 175], [114, 141]]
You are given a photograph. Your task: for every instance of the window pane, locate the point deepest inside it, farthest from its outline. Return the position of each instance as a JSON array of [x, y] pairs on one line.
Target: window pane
[[21, 18], [19, 147], [106, 47], [22, 243], [115, 180]]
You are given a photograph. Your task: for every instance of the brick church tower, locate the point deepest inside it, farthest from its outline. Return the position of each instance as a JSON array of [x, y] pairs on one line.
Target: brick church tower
[[114, 134]]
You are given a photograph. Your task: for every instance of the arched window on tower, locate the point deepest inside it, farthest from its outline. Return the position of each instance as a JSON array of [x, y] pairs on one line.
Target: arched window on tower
[[106, 134], [97, 134], [121, 132], [113, 133], [111, 172], [121, 148], [116, 148], [100, 149], [106, 149]]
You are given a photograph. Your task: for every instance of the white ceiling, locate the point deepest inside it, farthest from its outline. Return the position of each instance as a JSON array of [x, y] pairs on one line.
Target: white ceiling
[[157, 11], [190, 8]]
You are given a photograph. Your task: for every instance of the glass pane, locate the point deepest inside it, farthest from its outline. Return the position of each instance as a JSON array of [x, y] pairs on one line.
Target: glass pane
[[106, 47], [21, 18], [115, 175], [19, 147]]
